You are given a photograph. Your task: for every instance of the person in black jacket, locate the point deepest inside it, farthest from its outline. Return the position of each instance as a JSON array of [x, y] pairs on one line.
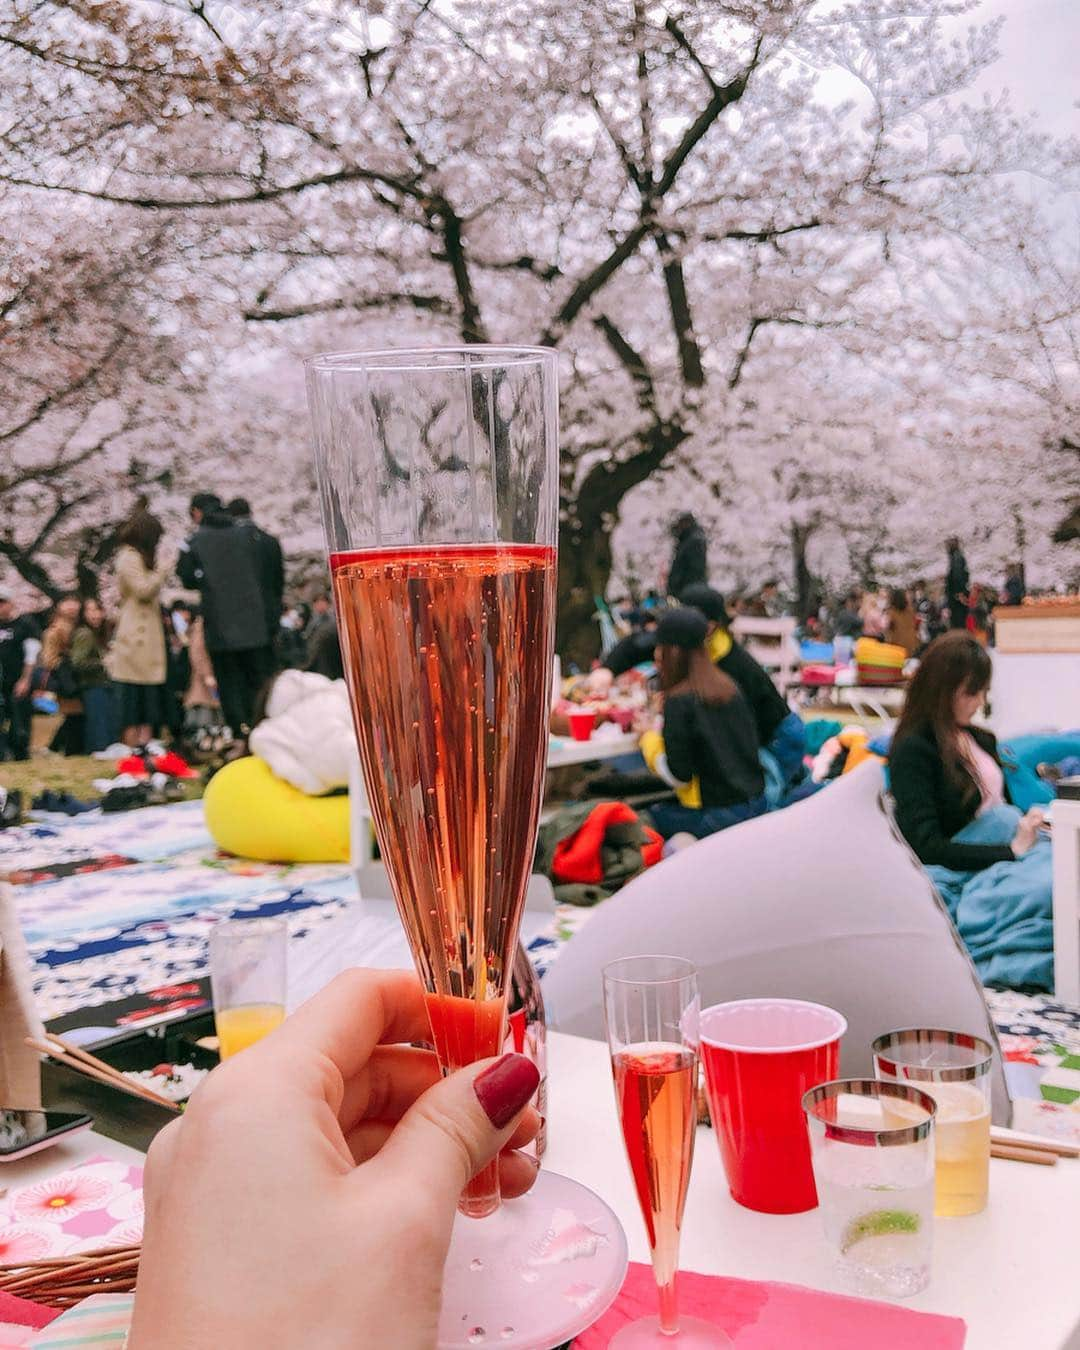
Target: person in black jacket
[[221, 561], [957, 585], [942, 770], [709, 748], [269, 560], [689, 563]]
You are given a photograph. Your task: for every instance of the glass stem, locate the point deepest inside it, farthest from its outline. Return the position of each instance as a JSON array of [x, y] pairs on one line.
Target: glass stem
[[669, 1307]]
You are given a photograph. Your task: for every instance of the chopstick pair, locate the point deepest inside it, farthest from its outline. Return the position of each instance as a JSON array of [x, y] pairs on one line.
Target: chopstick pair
[[1030, 1148], [75, 1057]]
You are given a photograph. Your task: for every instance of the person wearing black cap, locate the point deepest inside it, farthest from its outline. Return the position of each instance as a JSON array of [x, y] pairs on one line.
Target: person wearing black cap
[[709, 749], [780, 731]]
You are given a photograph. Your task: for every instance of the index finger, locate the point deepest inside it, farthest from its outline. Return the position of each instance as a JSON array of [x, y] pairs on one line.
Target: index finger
[[357, 1011]]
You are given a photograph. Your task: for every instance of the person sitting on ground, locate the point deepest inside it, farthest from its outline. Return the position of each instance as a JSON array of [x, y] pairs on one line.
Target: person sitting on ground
[[89, 648], [943, 771], [780, 731], [848, 623], [709, 748], [902, 629]]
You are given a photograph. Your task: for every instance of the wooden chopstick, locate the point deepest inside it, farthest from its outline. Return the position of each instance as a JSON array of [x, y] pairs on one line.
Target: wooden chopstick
[[92, 1061], [1000, 1135], [113, 1079], [1029, 1155]]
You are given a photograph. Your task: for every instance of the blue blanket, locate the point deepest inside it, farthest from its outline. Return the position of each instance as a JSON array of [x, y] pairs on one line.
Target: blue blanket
[[1004, 913]]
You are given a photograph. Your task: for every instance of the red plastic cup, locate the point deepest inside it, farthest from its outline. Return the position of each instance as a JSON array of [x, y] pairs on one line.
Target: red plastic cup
[[760, 1056], [582, 721]]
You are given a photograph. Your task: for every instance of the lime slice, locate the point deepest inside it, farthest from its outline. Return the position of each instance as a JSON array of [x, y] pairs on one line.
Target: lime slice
[[878, 1223]]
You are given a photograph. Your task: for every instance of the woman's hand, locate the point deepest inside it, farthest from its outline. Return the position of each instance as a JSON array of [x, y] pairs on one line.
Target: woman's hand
[[307, 1195], [1027, 832]]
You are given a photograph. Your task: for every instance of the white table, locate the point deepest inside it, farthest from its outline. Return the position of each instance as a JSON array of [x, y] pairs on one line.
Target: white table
[[563, 751], [1010, 1273]]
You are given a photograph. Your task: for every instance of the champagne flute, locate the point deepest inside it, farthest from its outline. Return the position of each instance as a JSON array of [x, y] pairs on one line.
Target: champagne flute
[[438, 480], [651, 1008]]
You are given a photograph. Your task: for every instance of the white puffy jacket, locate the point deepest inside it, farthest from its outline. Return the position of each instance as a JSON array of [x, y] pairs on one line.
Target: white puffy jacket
[[307, 734]]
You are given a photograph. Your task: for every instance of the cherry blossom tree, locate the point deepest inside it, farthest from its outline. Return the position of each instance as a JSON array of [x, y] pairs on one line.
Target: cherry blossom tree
[[751, 226]]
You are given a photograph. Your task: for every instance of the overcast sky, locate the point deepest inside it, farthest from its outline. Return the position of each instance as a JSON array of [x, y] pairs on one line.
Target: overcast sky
[[1040, 58]]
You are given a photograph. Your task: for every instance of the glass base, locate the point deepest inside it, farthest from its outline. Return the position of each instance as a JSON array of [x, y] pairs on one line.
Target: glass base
[[534, 1274], [693, 1334]]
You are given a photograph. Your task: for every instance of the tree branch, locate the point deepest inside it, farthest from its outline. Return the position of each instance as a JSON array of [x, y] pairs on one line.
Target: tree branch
[[635, 364], [690, 364], [269, 194], [436, 304]]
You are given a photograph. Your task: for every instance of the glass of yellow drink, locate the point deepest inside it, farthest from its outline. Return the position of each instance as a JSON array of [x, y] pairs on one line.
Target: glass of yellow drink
[[247, 975], [954, 1069]]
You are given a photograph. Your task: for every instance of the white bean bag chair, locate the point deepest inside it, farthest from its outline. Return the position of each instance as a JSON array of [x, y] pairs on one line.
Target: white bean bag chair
[[821, 901]]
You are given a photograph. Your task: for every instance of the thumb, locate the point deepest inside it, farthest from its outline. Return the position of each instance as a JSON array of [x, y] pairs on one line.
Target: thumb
[[459, 1125]]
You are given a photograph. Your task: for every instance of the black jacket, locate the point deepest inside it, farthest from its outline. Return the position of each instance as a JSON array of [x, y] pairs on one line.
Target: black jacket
[[271, 568], [631, 651], [689, 565], [766, 704], [957, 581], [930, 809], [717, 743], [221, 561]]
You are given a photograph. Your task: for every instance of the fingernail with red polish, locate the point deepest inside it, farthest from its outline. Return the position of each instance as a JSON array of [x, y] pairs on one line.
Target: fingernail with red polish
[[505, 1087]]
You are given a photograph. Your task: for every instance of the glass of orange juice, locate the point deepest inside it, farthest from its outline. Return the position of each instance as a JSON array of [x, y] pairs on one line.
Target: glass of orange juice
[[247, 975], [953, 1068]]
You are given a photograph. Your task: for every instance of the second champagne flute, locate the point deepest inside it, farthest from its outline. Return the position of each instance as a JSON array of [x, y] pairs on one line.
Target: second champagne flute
[[651, 1008]]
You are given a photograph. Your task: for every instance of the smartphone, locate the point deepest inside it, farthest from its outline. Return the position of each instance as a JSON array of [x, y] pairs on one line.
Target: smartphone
[[24, 1132]]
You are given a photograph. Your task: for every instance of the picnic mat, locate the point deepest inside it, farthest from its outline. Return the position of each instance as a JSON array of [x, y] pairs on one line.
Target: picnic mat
[[765, 1316], [118, 905]]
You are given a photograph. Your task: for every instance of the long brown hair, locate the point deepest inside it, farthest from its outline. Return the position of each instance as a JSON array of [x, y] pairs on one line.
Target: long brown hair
[[142, 531], [688, 670], [953, 663]]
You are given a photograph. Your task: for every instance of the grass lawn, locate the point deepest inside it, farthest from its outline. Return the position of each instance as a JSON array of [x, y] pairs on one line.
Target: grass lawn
[[63, 773]]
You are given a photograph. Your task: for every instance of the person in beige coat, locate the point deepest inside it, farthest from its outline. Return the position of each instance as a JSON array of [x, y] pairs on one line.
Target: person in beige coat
[[136, 659]]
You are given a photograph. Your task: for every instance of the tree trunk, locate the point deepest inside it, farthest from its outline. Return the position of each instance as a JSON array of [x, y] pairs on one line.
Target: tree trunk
[[801, 574], [584, 569]]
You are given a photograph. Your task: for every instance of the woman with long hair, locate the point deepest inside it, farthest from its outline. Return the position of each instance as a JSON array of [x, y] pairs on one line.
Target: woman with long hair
[[943, 771], [137, 656], [709, 749], [89, 648], [56, 675]]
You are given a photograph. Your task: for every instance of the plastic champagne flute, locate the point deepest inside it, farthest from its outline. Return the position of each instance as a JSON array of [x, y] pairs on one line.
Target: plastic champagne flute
[[651, 1009]]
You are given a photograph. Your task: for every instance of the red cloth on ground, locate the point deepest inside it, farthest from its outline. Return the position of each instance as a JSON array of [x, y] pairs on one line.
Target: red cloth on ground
[[577, 858]]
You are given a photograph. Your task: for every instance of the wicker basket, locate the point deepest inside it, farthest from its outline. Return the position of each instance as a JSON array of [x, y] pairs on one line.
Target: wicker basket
[[63, 1281]]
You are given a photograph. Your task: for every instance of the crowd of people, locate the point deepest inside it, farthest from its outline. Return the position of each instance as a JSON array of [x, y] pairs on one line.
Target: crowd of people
[[908, 616], [194, 670]]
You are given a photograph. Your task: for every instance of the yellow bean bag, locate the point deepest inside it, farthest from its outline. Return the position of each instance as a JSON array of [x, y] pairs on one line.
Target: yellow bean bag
[[254, 814]]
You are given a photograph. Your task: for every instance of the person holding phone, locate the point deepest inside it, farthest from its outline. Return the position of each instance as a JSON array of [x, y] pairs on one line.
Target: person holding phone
[[944, 772]]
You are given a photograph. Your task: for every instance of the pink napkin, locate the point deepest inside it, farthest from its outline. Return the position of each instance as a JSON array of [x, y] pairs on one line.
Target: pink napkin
[[19, 1319], [760, 1316]]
